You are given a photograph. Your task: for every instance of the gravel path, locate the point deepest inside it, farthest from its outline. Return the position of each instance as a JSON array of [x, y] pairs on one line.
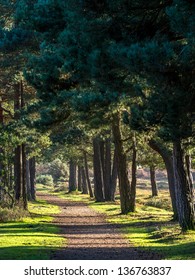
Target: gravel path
[[89, 236]]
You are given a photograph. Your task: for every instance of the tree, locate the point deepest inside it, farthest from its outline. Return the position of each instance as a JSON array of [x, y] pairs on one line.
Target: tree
[[164, 63], [166, 153], [150, 158]]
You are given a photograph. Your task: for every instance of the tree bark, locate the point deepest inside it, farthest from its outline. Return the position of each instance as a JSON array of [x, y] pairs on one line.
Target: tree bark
[[79, 179], [168, 160], [184, 189], [2, 176], [32, 169], [153, 181], [18, 173], [28, 180], [98, 172], [134, 177], [24, 183], [114, 176], [72, 176], [87, 175], [18, 150], [84, 181], [2, 179], [107, 170], [124, 184]]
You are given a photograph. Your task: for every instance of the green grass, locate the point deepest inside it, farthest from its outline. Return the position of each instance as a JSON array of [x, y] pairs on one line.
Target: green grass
[[151, 228], [33, 237]]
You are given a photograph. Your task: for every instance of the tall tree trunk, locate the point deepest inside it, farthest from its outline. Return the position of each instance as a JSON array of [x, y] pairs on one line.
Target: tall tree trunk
[[87, 175], [1, 161], [188, 162], [24, 158], [28, 187], [184, 189], [18, 173], [79, 179], [10, 176], [107, 170], [18, 150], [114, 176], [168, 160], [153, 180], [32, 169], [134, 176], [2, 175], [1, 179], [84, 181], [98, 172], [24, 183], [124, 184], [72, 176]]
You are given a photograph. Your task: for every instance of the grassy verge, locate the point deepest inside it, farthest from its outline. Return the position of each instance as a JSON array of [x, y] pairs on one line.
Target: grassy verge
[[33, 237], [150, 227]]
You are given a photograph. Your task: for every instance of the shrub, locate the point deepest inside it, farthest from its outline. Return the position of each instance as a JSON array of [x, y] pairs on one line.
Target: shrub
[[45, 180], [12, 214], [162, 203]]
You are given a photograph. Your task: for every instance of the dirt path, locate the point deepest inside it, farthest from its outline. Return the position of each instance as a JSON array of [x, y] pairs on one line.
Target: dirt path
[[89, 236]]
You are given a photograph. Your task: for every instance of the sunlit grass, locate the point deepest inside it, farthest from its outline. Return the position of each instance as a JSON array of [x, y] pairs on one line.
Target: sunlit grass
[[151, 228], [33, 237]]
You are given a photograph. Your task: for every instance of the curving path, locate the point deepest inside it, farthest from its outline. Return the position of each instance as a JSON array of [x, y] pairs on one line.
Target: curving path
[[89, 236]]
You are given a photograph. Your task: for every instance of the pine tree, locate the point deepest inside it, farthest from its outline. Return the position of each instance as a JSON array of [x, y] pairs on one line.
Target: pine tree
[[166, 62]]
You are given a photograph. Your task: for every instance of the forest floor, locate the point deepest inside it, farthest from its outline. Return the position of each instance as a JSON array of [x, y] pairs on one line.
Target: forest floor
[[89, 236]]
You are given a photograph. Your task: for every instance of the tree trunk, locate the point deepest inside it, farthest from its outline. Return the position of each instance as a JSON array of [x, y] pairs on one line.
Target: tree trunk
[[32, 169], [188, 162], [79, 179], [2, 176], [153, 181], [1, 180], [168, 160], [184, 189], [2, 167], [72, 176], [134, 177], [87, 175], [24, 183], [124, 184], [98, 172], [10, 176], [107, 170], [18, 150], [114, 176], [18, 173], [84, 181], [28, 180]]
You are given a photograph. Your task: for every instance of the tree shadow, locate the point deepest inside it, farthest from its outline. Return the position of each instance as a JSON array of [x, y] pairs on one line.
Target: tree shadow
[[104, 253], [26, 252]]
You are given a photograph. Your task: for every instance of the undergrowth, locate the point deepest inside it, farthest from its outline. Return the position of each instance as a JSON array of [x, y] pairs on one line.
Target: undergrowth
[[32, 237]]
